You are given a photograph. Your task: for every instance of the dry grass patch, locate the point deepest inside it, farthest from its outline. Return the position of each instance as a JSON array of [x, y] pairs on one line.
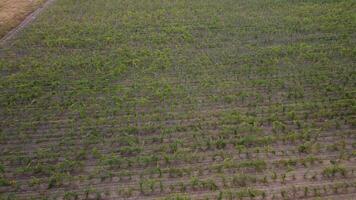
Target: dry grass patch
[[12, 12]]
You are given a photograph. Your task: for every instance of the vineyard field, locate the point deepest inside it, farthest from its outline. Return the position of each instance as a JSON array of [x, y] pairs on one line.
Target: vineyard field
[[181, 99]]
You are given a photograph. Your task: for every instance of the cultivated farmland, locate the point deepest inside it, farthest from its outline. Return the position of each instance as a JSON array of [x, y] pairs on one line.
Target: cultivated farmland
[[181, 99]]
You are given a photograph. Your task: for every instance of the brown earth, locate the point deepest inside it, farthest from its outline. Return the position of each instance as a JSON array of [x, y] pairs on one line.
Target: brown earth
[[12, 12]]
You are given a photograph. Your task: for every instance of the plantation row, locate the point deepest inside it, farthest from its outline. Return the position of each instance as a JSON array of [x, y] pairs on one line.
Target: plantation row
[[288, 111], [324, 121]]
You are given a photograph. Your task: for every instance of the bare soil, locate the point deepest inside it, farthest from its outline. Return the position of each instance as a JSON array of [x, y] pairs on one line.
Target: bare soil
[[13, 12]]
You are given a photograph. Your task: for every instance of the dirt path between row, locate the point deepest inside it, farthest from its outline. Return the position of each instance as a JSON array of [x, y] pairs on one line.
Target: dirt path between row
[[13, 11]]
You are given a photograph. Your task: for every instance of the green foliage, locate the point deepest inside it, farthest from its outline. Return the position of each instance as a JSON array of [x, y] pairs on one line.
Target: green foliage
[[71, 196], [177, 197], [220, 143], [113, 161], [130, 150], [147, 186], [56, 180], [305, 148], [334, 170], [4, 182], [2, 169], [242, 180], [258, 165]]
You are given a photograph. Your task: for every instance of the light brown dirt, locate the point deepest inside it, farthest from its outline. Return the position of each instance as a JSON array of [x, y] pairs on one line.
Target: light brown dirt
[[12, 12]]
